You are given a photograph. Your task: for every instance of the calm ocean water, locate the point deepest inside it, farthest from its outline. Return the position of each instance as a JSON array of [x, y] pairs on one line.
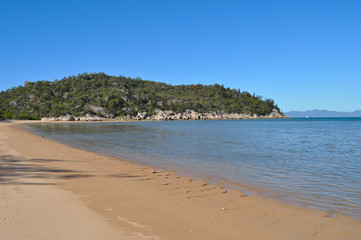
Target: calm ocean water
[[312, 162]]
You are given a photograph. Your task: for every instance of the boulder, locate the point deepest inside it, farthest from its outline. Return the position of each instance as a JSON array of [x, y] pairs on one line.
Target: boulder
[[69, 117], [13, 103], [168, 113], [141, 116], [96, 109]]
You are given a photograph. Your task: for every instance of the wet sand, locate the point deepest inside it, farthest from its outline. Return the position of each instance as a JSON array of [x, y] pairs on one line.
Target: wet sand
[[52, 191]]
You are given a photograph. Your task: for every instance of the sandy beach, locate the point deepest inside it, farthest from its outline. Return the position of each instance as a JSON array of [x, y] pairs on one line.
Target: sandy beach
[[52, 191]]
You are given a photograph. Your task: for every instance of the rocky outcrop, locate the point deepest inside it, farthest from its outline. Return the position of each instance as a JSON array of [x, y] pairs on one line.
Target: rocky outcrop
[[193, 115], [98, 110], [69, 117], [276, 114], [89, 117], [171, 115]]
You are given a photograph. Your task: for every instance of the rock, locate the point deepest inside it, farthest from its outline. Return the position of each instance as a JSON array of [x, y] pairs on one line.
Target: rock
[[168, 113], [87, 117], [13, 103], [69, 117], [171, 115], [141, 116], [178, 116], [160, 116], [275, 114], [109, 115], [96, 109], [194, 115], [49, 119]]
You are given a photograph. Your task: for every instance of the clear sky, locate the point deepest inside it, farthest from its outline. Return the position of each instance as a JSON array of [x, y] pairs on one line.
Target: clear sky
[[303, 54]]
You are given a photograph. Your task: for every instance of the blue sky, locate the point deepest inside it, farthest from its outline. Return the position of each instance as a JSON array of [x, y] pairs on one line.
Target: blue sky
[[303, 54]]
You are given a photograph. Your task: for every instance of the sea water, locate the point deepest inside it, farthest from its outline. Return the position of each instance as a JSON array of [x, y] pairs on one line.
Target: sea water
[[312, 162]]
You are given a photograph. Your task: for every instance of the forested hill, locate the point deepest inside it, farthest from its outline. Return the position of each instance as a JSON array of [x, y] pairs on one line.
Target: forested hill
[[112, 96]]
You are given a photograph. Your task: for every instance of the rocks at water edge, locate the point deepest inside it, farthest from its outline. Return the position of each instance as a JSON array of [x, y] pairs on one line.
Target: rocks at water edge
[[171, 115]]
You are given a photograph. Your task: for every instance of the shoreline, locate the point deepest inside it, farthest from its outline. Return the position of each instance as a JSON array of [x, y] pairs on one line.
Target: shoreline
[[140, 201], [221, 181], [248, 188]]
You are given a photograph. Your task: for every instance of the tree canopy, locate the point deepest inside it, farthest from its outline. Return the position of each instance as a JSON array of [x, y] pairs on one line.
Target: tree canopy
[[120, 96]]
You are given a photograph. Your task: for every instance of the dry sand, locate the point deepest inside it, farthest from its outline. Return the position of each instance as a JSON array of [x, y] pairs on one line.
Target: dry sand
[[52, 191]]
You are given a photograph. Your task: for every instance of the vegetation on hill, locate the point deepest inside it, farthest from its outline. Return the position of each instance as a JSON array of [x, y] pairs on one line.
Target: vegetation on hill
[[120, 96]]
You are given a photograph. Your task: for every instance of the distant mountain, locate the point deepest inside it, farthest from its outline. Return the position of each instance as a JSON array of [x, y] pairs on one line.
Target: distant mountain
[[322, 113]]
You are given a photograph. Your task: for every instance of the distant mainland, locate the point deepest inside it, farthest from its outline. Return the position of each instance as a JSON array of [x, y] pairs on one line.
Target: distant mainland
[[322, 113]]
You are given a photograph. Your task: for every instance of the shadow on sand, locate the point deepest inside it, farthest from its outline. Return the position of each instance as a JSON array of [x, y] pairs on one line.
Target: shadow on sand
[[23, 171]]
